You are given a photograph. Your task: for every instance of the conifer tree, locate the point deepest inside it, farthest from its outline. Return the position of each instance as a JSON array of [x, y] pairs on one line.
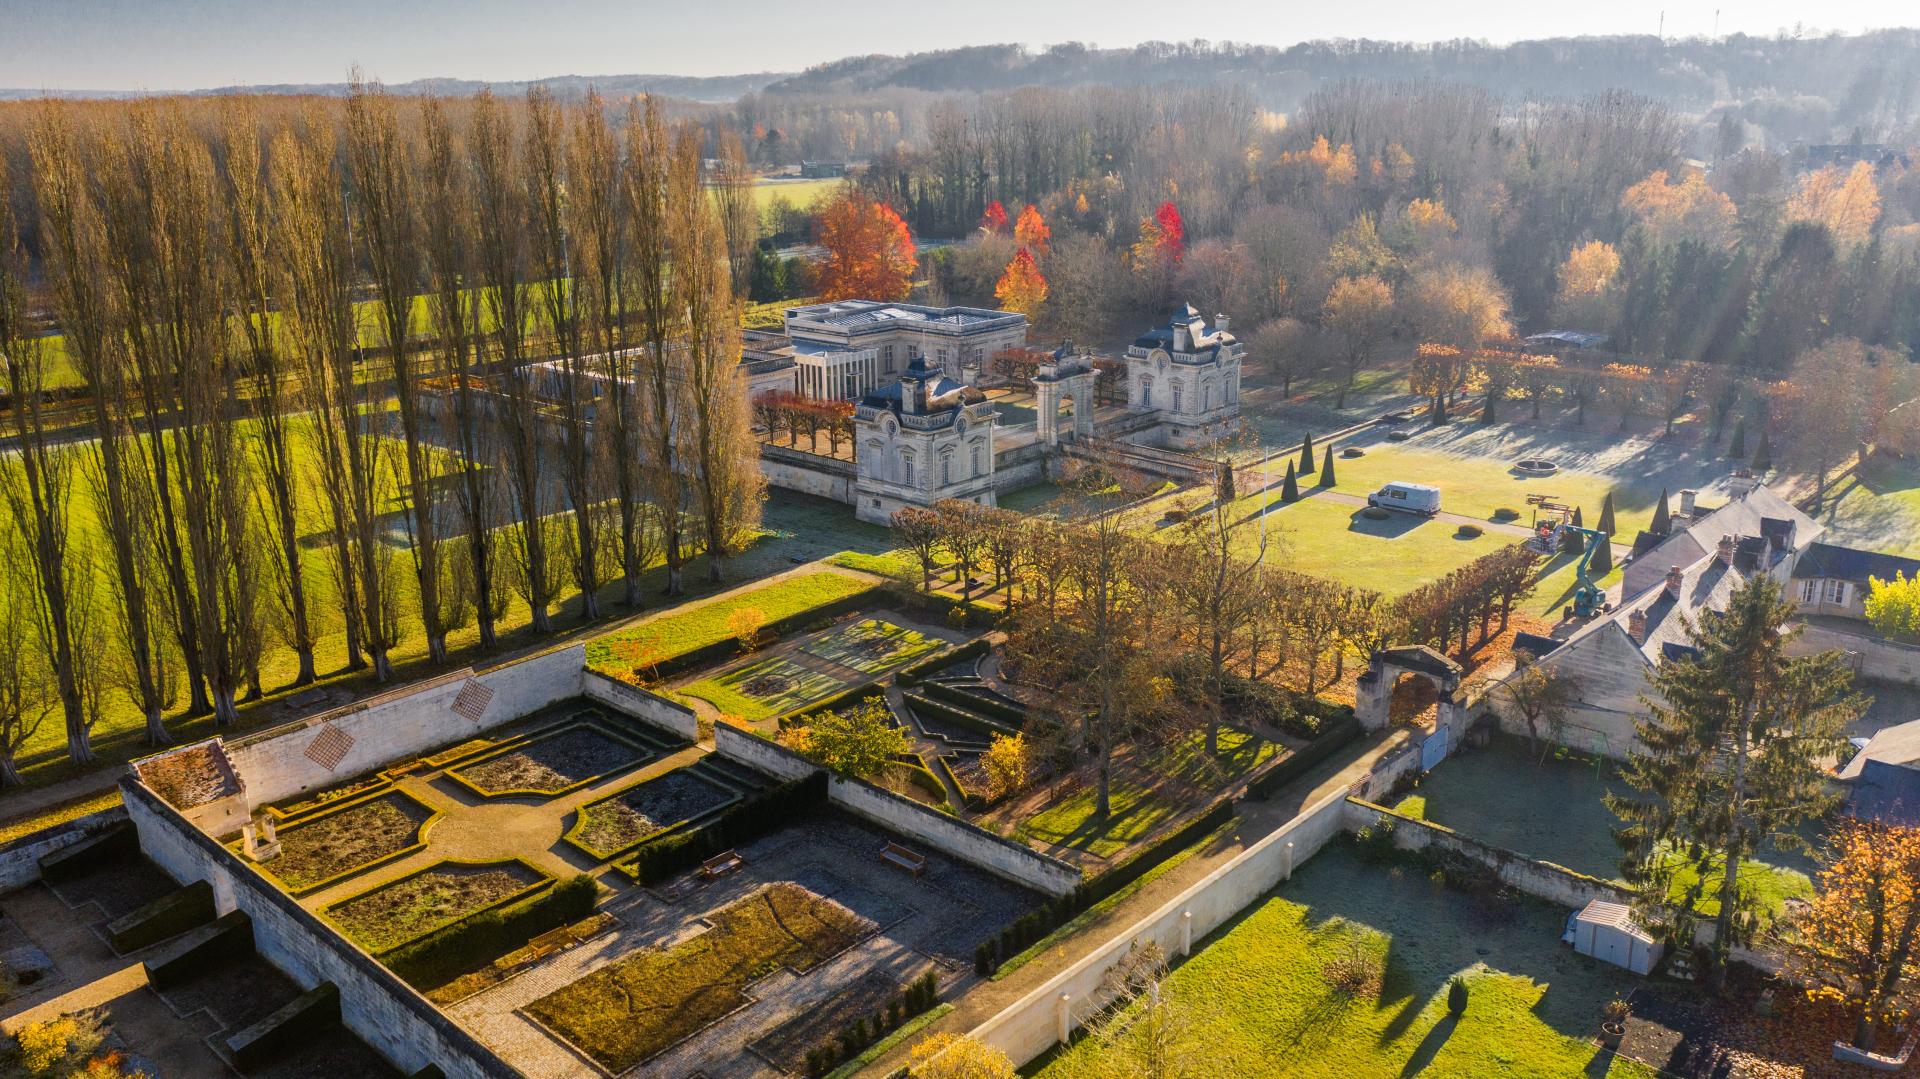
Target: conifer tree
[[1290, 487], [1578, 520], [1739, 447], [1306, 454], [1602, 563], [1731, 756], [1763, 457], [1662, 516], [1606, 516], [1326, 470]]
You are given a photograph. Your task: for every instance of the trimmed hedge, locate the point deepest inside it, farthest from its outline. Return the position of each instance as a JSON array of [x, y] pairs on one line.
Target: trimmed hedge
[[1032, 926], [846, 698], [965, 719], [472, 943], [991, 707], [912, 673], [664, 857], [1338, 731], [313, 1012]]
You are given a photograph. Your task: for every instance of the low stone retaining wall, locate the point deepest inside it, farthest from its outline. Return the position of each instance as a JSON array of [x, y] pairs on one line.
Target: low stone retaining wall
[[1540, 879], [20, 859], [670, 716], [1889, 661], [949, 835], [375, 1004], [1047, 1015]]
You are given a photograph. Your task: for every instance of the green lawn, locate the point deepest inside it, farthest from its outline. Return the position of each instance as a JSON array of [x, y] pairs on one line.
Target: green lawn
[[1237, 752], [1332, 540], [801, 193], [872, 646], [763, 690], [1878, 509], [1256, 1002], [659, 640], [1553, 811], [1134, 811]]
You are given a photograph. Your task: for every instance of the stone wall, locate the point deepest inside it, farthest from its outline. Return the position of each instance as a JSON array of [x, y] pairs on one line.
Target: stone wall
[[670, 716], [792, 470], [1039, 1020], [20, 858], [1540, 879], [923, 824], [1880, 659], [383, 1010]]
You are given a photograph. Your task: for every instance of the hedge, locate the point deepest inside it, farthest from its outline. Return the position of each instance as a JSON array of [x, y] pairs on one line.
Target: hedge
[[1333, 737], [659, 859], [912, 673], [965, 719], [991, 707], [472, 943], [166, 917]]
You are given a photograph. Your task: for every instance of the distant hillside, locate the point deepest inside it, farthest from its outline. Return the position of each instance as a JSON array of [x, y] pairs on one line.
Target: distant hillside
[[718, 89]]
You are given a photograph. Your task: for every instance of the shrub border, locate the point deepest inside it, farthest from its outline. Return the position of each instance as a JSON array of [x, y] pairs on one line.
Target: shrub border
[[547, 880], [570, 837], [991, 707], [434, 816], [919, 669], [969, 720], [1340, 729]]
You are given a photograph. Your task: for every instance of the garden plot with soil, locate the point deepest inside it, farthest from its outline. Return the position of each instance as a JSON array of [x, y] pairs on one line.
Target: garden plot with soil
[[552, 763], [611, 826], [386, 917], [331, 843]]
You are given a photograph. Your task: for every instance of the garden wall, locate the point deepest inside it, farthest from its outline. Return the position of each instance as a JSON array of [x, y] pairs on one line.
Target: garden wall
[[1540, 879], [1887, 661], [383, 1010], [20, 859], [1036, 1022], [809, 473], [669, 716], [949, 835]]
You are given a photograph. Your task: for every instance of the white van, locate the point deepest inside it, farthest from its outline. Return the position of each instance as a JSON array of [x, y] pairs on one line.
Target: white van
[[1407, 498]]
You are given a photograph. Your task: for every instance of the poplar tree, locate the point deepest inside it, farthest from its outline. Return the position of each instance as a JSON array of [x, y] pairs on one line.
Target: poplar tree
[[1732, 755]]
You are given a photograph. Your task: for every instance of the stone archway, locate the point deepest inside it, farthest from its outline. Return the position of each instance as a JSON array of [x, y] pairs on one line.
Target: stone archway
[[1064, 378], [1373, 696]]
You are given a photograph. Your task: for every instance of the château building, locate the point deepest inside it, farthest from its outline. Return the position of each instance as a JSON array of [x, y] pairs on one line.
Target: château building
[[1188, 376], [922, 438]]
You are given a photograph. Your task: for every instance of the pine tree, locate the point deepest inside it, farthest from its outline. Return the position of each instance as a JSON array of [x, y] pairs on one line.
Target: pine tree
[[1225, 493], [1662, 516], [1602, 563], [1326, 470], [1306, 454], [1763, 457], [1578, 520], [1739, 447], [1731, 756], [1290, 487], [1606, 516]]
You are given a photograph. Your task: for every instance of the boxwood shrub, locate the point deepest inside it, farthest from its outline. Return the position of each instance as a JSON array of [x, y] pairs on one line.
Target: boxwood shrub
[[472, 943], [912, 673], [993, 707], [676, 852]]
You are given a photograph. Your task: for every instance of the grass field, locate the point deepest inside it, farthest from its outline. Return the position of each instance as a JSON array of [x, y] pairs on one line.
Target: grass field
[[659, 640], [1254, 1001], [1553, 811], [1878, 508], [763, 690], [1333, 540], [872, 646], [801, 193], [1070, 822]]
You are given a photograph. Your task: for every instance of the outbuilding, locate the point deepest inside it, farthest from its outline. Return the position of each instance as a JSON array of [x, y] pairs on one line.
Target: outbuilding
[[1607, 931]]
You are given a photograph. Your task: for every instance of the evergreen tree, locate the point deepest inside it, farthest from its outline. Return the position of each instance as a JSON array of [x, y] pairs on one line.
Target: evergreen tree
[[1289, 488], [1602, 563], [1732, 753], [1739, 447], [1224, 490], [1662, 516], [1763, 457], [1606, 517], [1306, 454], [1326, 470], [1578, 520]]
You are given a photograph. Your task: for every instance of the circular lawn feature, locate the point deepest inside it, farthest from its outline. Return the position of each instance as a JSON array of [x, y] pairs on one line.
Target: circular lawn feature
[[1535, 466]]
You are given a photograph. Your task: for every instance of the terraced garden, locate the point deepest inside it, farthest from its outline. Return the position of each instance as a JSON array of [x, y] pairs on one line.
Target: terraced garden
[[407, 909], [764, 689], [552, 762], [668, 638], [872, 646], [630, 1010], [607, 827], [331, 843]]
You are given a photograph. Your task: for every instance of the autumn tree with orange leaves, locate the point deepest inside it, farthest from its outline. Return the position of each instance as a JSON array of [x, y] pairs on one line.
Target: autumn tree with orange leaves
[[869, 250], [1857, 938], [995, 219], [1022, 287], [1031, 230]]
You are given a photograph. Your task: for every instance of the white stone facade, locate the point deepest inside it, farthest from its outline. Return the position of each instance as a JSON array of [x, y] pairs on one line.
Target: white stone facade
[[848, 348], [922, 439], [1188, 376]]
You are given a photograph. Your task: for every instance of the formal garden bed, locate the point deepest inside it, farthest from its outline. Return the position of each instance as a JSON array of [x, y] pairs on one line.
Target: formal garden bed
[[1345, 970], [551, 763], [764, 689], [787, 1045], [871, 646], [407, 909], [330, 844], [630, 1010], [612, 825]]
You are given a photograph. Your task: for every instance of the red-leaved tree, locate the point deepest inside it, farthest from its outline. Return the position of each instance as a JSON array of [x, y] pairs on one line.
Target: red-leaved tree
[[869, 250], [995, 219]]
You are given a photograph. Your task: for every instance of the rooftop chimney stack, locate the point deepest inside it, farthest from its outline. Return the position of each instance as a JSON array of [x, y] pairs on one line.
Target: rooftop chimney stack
[[1675, 580], [1725, 551], [1688, 499], [1637, 626], [1220, 323]]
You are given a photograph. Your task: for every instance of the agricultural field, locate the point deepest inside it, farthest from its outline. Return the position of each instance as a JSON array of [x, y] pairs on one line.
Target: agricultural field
[[801, 193], [1255, 998]]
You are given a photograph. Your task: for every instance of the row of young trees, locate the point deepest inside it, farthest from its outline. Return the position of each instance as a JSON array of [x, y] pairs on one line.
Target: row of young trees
[[476, 312]]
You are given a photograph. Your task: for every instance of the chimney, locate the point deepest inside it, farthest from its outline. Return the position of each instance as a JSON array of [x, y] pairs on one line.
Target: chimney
[[1675, 580], [1220, 323], [1725, 551], [1182, 337], [1688, 498], [1637, 626]]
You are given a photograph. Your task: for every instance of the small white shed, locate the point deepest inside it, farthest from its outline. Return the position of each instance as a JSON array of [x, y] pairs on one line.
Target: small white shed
[[1607, 931]]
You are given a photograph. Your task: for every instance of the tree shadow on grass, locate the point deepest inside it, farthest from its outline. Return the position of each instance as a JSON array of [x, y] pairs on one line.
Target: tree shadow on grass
[[1430, 1046]]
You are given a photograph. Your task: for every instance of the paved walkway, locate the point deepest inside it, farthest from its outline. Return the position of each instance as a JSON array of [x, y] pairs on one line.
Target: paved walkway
[[1256, 820]]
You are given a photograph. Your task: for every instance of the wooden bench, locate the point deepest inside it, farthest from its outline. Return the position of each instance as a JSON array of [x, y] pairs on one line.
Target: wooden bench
[[721, 864], [895, 854]]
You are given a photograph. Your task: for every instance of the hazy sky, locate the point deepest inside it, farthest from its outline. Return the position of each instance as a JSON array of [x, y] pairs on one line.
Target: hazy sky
[[187, 44]]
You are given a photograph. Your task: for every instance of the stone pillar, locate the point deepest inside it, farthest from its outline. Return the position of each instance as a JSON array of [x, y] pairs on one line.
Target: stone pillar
[[1065, 1019], [1372, 696], [1186, 928]]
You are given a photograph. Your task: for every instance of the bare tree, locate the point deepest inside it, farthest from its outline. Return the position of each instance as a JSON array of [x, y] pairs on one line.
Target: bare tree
[[732, 184], [448, 240], [23, 707], [649, 175], [1210, 592], [500, 200], [388, 225]]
